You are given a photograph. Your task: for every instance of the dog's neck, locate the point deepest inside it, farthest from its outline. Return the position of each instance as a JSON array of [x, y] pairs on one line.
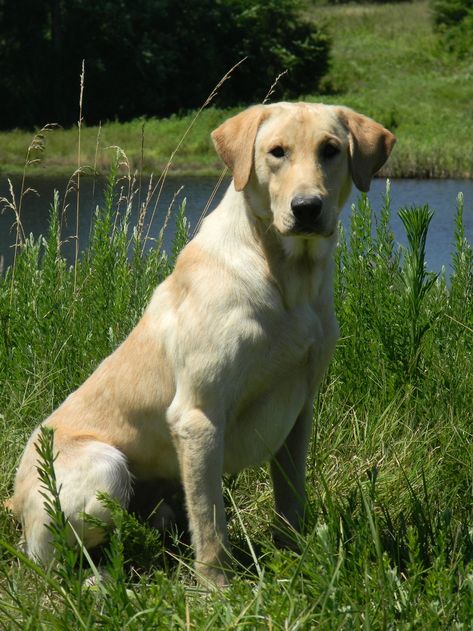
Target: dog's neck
[[301, 267]]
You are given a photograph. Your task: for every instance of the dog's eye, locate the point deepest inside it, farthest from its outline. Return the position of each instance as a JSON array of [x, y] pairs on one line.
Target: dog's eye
[[330, 150], [277, 152]]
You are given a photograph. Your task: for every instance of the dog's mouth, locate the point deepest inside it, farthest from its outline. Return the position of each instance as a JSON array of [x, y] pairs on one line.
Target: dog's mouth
[[306, 232], [312, 234], [309, 217], [309, 229]]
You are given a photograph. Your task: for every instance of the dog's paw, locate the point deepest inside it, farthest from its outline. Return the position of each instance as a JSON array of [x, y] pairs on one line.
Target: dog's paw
[[163, 518], [285, 536], [213, 578]]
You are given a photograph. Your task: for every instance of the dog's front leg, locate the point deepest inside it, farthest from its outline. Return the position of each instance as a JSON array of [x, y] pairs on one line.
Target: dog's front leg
[[199, 444], [288, 475]]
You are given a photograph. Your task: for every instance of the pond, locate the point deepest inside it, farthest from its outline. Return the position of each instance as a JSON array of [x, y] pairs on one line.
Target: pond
[[440, 195]]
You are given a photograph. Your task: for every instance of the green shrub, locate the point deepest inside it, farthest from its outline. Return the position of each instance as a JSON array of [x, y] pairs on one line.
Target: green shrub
[[274, 38], [336, 2], [144, 57], [453, 20]]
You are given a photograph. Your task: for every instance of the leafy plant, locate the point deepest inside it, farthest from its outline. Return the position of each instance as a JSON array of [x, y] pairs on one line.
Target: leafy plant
[[417, 280], [388, 540], [454, 21], [164, 57]]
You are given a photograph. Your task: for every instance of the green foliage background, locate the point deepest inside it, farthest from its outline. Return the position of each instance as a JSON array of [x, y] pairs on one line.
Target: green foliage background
[[454, 21], [387, 61], [149, 57]]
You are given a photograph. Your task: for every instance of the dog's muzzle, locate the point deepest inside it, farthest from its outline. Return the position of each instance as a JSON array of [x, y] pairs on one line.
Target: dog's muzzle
[[307, 211]]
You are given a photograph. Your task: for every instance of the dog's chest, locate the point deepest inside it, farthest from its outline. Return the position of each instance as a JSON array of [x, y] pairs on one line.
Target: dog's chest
[[273, 386]]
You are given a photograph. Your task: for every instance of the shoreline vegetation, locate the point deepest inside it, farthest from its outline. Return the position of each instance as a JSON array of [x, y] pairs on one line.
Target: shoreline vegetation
[[388, 540], [386, 62]]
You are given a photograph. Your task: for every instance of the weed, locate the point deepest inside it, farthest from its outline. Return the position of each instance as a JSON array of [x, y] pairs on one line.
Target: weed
[[388, 539]]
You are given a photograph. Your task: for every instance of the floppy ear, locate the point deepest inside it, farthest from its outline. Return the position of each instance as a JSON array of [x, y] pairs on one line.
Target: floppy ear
[[370, 146], [234, 142]]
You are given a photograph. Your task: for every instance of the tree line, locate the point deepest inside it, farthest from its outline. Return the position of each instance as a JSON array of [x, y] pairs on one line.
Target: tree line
[[150, 57]]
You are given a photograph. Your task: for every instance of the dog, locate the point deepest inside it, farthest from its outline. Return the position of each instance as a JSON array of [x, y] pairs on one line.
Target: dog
[[221, 371]]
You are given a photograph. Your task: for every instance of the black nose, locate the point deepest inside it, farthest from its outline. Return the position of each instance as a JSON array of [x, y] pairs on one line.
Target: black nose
[[306, 210]]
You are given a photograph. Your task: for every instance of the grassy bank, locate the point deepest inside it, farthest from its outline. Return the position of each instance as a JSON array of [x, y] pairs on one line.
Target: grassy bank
[[148, 146], [388, 542], [386, 63]]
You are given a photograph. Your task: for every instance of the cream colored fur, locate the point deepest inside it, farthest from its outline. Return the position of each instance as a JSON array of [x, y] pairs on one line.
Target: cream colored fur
[[221, 371]]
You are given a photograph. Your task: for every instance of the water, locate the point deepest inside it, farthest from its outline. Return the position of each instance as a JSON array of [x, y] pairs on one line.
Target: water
[[439, 194]]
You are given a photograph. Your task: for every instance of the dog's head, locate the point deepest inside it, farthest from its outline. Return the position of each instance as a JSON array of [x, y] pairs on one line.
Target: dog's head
[[295, 162]]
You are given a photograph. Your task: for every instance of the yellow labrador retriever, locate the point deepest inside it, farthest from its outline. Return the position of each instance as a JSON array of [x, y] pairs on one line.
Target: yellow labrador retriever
[[221, 371]]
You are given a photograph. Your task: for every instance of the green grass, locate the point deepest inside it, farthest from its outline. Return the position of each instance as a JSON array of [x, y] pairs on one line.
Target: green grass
[[147, 144], [389, 542], [386, 63]]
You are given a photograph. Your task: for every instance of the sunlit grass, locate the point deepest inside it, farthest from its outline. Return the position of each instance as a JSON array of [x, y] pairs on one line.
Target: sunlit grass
[[390, 469]]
